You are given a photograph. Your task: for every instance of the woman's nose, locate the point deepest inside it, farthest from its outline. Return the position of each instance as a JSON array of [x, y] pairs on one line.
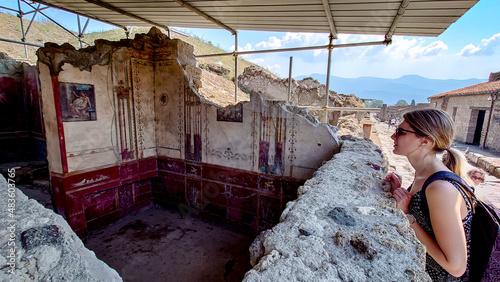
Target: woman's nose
[[393, 136]]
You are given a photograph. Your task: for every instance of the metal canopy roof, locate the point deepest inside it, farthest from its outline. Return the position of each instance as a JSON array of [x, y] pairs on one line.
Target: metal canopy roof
[[380, 17]]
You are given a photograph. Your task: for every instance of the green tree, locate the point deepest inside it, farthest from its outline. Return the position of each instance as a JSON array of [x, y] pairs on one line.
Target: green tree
[[413, 102], [402, 103], [375, 104]]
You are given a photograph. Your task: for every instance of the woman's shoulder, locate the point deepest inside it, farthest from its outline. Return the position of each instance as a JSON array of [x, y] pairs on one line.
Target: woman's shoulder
[[442, 189]]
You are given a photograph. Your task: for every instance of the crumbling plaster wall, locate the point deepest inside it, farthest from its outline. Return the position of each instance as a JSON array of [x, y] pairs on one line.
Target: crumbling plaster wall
[[343, 226], [21, 130], [150, 136]]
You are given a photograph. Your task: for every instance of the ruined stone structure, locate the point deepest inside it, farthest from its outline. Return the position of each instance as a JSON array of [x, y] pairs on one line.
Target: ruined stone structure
[[21, 127], [306, 92], [37, 244], [343, 227], [391, 112], [126, 127]]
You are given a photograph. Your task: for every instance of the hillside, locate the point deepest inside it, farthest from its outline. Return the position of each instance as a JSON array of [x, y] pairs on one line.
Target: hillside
[[406, 88]]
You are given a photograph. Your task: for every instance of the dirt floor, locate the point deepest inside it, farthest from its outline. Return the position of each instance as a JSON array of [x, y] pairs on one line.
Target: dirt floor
[[156, 244]]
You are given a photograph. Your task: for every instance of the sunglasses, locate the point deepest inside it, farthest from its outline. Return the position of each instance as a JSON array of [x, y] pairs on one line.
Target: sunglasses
[[477, 178], [401, 131]]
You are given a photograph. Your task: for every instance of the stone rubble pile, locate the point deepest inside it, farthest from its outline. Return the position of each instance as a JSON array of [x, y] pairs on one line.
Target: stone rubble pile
[[37, 244], [343, 227]]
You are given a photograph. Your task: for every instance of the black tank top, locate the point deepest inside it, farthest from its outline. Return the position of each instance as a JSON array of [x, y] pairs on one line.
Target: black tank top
[[419, 208]]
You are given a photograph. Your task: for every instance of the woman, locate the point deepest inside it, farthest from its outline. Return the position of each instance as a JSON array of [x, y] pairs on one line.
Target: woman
[[440, 215]]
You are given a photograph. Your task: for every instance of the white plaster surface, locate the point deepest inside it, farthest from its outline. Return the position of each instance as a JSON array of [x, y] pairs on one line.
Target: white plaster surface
[[50, 119], [343, 227], [169, 82], [58, 256]]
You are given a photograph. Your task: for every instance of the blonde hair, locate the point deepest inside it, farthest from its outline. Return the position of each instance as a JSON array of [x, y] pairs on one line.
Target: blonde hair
[[439, 126]]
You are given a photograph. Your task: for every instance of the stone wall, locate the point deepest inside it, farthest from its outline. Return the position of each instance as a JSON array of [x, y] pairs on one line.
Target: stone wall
[[465, 110], [343, 227], [398, 111], [306, 92], [126, 127], [38, 245]]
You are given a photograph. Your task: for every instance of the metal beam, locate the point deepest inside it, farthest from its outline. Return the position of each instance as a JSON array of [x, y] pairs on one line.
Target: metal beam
[[19, 42], [347, 109], [290, 80], [328, 68], [52, 20], [198, 12], [236, 67], [328, 11], [76, 13], [125, 13], [296, 49], [399, 15]]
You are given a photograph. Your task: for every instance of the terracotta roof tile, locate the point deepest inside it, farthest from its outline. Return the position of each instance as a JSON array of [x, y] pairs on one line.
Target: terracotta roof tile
[[481, 88]]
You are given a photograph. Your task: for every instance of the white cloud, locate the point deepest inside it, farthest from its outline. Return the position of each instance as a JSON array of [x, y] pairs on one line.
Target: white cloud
[[256, 61], [305, 39], [247, 47], [405, 48], [433, 49], [272, 68], [486, 48], [272, 43]]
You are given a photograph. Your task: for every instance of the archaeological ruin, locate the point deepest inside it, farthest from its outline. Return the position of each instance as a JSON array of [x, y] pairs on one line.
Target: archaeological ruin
[[126, 127]]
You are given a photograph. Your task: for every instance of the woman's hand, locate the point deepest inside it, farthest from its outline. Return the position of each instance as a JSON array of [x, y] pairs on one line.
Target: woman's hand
[[403, 198], [395, 180]]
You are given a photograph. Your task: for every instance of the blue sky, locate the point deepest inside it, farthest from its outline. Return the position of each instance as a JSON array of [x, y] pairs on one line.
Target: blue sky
[[469, 48]]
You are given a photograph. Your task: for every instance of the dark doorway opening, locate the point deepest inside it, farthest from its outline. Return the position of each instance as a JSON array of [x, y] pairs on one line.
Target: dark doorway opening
[[479, 127]]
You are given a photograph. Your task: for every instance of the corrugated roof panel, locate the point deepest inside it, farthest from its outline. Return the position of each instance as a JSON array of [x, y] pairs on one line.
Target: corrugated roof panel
[[420, 18]]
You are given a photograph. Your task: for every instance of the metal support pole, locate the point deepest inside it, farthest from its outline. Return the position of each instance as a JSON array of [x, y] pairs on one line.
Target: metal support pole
[[235, 67], [19, 42], [493, 96], [23, 39], [290, 80], [58, 24], [127, 31], [327, 94], [297, 49], [79, 31], [33, 18]]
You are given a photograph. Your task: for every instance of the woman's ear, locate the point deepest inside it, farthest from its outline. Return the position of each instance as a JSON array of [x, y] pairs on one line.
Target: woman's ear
[[426, 141]]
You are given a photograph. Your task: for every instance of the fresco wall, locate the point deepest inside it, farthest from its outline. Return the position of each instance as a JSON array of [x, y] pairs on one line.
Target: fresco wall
[[21, 127], [126, 127]]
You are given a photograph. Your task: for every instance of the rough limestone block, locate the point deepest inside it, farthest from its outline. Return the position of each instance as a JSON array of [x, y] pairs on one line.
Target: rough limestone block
[[44, 248], [193, 71], [343, 227]]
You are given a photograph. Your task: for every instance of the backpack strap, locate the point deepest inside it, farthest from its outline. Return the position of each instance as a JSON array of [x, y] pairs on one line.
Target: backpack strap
[[466, 190]]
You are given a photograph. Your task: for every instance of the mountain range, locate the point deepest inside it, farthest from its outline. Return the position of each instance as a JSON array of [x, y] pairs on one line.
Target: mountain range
[[408, 87]]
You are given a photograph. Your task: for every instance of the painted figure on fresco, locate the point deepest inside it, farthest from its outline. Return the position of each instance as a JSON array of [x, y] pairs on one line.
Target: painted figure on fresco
[[77, 102], [81, 104]]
